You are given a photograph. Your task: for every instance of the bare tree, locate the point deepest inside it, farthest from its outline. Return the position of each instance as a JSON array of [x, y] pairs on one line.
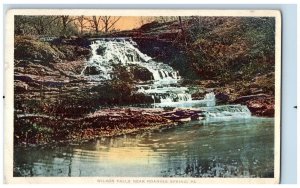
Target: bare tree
[[81, 22], [182, 29], [109, 22], [95, 22], [65, 20], [180, 24]]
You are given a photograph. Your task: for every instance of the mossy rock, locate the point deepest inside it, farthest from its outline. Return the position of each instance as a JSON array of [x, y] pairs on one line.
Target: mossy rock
[[34, 50], [30, 49]]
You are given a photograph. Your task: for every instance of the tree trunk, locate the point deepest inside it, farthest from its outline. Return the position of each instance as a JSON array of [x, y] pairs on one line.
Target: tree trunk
[[64, 23], [182, 30], [97, 28]]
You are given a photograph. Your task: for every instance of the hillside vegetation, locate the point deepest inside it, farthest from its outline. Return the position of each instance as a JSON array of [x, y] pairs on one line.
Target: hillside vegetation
[[221, 48]]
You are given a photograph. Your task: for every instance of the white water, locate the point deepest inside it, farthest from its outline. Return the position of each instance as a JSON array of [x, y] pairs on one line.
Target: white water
[[122, 51], [164, 88], [226, 112]]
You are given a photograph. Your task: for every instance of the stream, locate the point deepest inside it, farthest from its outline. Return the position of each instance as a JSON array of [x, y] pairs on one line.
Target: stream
[[215, 148]]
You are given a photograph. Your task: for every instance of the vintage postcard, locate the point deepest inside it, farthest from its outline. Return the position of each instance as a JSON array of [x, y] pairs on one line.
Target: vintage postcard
[[142, 96]]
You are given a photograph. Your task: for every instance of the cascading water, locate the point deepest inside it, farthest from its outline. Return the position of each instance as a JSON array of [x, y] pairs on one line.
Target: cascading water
[[227, 111], [164, 88], [109, 52], [210, 98]]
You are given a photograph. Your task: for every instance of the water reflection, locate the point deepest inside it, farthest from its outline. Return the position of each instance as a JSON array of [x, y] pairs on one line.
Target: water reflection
[[233, 148]]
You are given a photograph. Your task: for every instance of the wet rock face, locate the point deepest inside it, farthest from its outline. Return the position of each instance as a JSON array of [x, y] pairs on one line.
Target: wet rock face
[[159, 49], [141, 73], [82, 52], [91, 71], [263, 106], [259, 105], [100, 50], [222, 98], [198, 96]]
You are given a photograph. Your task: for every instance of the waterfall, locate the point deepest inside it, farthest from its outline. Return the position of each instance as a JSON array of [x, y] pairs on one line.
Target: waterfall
[[164, 89], [123, 51], [109, 52]]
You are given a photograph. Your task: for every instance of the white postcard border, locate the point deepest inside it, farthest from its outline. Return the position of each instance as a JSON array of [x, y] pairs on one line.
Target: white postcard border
[[9, 94]]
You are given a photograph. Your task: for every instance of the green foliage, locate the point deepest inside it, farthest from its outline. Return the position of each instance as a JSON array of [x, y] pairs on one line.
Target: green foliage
[[260, 34]]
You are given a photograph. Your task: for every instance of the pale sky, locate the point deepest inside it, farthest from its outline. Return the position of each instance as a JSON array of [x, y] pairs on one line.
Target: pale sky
[[131, 22], [126, 23]]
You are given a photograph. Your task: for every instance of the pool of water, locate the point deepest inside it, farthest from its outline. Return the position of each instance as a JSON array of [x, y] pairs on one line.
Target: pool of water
[[215, 148]]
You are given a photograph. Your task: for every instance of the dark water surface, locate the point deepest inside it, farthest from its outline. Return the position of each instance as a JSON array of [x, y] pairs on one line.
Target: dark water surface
[[230, 148]]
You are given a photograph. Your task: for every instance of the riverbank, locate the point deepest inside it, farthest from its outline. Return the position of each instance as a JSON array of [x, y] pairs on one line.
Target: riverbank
[[34, 129]]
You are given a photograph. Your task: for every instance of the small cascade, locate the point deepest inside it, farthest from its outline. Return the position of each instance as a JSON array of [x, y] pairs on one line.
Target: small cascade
[[210, 99], [227, 111], [184, 97], [170, 97]]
